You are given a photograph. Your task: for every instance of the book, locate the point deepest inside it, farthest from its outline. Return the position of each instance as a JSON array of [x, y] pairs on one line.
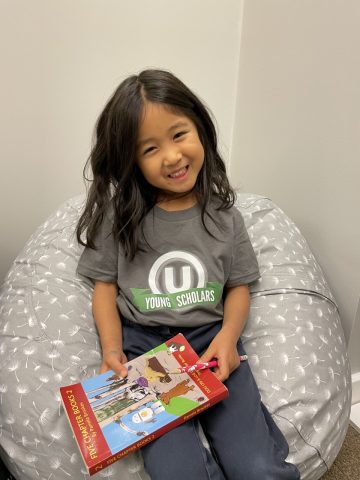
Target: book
[[112, 416]]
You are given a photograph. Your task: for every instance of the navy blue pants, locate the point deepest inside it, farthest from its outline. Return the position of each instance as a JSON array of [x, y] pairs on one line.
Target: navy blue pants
[[244, 440]]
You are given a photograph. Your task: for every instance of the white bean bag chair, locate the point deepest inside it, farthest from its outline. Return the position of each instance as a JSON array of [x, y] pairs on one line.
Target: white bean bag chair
[[293, 337]]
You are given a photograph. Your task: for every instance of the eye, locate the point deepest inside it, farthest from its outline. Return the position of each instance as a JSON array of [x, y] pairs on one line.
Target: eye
[[179, 134], [148, 150]]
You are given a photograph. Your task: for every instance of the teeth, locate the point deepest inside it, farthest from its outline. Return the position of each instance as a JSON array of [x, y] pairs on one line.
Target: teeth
[[179, 173]]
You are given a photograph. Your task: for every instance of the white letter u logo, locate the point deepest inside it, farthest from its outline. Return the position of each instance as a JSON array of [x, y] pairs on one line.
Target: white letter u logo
[[175, 278], [170, 280]]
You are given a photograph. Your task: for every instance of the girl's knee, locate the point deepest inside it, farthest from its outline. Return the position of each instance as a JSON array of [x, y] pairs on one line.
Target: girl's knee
[[169, 469], [259, 468], [180, 458]]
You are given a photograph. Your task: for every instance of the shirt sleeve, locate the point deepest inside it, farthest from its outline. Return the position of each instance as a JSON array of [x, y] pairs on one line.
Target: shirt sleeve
[[244, 267], [101, 264]]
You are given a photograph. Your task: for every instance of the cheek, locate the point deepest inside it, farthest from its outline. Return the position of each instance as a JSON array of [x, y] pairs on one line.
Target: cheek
[[142, 169], [144, 166], [196, 151], [201, 155], [149, 171], [200, 149]]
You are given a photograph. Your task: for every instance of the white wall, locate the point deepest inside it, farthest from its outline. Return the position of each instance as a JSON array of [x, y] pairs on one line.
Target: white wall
[[296, 133], [297, 130], [61, 60]]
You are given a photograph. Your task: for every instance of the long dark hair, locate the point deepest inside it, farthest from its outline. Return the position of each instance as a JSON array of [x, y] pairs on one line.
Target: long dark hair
[[116, 179]]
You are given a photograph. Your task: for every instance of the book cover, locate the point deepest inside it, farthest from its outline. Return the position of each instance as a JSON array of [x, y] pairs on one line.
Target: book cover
[[113, 416]]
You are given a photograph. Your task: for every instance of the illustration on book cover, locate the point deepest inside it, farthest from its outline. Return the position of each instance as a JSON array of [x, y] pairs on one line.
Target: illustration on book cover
[[150, 397]]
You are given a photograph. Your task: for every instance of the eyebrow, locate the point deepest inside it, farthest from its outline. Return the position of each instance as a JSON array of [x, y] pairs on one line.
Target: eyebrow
[[176, 125]]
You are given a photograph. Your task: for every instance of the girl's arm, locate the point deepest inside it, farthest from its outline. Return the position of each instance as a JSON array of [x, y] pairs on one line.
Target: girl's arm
[[223, 346], [108, 323]]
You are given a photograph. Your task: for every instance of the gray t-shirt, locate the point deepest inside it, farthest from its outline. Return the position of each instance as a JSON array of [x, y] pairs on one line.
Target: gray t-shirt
[[178, 276]]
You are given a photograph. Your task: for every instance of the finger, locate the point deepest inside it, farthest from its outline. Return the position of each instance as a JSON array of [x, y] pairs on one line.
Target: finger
[[217, 373], [236, 364], [207, 356], [124, 359], [118, 368], [223, 371], [220, 375], [104, 368]]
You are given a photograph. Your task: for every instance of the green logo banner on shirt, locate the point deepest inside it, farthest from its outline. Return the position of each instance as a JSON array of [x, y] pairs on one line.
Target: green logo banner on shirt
[[146, 301]]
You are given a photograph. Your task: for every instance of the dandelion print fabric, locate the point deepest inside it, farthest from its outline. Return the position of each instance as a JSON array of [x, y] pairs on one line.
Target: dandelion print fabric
[[293, 337]]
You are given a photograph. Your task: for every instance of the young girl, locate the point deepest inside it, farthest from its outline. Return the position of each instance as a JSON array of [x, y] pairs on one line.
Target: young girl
[[168, 252]]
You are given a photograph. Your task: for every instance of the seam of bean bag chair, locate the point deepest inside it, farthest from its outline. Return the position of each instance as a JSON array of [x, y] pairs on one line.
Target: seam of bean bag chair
[[276, 415], [299, 291]]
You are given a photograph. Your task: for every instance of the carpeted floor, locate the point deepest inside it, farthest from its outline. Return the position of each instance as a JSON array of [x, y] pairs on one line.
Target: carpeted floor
[[347, 463], [345, 467]]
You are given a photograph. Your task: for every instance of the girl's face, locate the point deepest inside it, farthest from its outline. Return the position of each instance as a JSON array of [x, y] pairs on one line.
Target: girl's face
[[169, 155]]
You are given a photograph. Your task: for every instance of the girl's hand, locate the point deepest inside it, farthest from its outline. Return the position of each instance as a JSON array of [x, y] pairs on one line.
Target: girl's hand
[[223, 349], [114, 360]]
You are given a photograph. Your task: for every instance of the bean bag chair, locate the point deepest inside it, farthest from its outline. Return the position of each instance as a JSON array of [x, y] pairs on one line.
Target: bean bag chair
[[293, 337]]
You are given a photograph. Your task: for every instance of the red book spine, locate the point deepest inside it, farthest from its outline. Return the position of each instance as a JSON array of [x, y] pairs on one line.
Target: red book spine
[[87, 431]]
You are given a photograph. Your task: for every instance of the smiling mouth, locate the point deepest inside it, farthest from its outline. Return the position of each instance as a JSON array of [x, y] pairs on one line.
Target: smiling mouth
[[179, 173]]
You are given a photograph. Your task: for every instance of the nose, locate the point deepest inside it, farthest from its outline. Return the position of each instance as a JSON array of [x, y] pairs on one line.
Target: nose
[[172, 155]]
